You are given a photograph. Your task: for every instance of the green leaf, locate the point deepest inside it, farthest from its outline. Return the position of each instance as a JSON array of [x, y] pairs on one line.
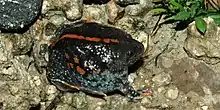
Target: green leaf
[[200, 24], [215, 16], [217, 21], [201, 11], [180, 16], [173, 2], [159, 10], [193, 9]]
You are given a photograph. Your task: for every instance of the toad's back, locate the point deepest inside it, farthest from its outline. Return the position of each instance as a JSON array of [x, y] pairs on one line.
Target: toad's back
[[92, 57]]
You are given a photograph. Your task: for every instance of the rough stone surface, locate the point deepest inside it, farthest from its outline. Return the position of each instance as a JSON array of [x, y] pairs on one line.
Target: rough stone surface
[[19, 88], [114, 11], [17, 15], [71, 8], [20, 44], [172, 93], [140, 9], [204, 47], [96, 13], [162, 79]]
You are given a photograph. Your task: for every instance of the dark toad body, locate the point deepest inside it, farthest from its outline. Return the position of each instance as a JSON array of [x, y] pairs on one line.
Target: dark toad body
[[93, 58]]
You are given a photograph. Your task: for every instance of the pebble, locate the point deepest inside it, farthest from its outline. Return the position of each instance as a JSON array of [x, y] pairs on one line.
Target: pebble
[[96, 13], [51, 89], [172, 93], [162, 79], [113, 11], [204, 107]]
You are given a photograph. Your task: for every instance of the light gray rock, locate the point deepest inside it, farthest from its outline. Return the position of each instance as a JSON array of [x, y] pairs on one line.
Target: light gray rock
[[162, 79], [20, 89], [97, 13], [172, 93], [114, 11], [204, 47], [71, 8]]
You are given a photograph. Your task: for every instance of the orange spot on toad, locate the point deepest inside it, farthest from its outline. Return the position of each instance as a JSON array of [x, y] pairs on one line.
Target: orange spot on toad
[[76, 60], [80, 70]]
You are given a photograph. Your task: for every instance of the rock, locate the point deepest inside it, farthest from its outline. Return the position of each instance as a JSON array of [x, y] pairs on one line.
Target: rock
[[20, 90], [55, 19], [209, 78], [145, 101], [147, 4], [65, 107], [185, 76], [140, 9], [166, 62], [114, 12], [18, 15], [162, 40], [172, 93], [189, 76], [21, 43], [131, 25], [204, 107], [96, 13], [204, 47], [51, 92], [162, 79], [5, 46], [133, 10], [40, 55], [143, 38], [131, 77], [71, 8], [79, 101]]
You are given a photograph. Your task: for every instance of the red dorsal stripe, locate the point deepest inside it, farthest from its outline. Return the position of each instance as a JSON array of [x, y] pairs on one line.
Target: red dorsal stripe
[[95, 39], [92, 39], [73, 36], [106, 40]]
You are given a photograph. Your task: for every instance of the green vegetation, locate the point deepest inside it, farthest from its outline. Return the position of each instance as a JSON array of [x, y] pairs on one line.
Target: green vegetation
[[187, 11]]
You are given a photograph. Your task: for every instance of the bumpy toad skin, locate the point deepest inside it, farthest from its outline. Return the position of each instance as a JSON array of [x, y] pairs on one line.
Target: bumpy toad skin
[[93, 58]]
